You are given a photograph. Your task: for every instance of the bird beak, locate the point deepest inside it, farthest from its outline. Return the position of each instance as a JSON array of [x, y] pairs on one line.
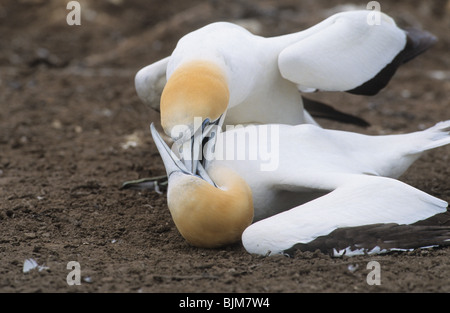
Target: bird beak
[[207, 144], [202, 140], [171, 162]]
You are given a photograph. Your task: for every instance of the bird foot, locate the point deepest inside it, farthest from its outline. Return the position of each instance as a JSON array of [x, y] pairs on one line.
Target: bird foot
[[158, 184]]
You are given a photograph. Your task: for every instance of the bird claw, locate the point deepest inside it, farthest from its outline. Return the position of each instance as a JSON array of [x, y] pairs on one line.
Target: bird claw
[[158, 184]]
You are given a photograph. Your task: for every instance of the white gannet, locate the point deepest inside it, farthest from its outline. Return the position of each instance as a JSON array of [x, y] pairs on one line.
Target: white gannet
[[257, 79], [326, 186]]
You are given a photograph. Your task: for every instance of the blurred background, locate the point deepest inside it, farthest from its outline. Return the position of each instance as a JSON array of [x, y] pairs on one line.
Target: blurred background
[[136, 31], [118, 37], [72, 129]]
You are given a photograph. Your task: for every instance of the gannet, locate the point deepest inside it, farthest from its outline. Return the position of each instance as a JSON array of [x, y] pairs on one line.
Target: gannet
[[257, 79], [326, 186]]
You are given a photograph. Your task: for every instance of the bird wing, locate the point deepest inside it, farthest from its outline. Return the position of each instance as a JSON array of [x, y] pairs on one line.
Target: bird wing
[[346, 53], [378, 238], [356, 200], [150, 82], [321, 110]]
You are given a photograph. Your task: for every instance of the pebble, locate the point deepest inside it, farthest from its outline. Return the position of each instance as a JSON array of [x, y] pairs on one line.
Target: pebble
[[439, 75], [30, 235], [56, 124]]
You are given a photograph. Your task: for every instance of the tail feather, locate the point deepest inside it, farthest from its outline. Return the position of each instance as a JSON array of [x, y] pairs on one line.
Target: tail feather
[[437, 136]]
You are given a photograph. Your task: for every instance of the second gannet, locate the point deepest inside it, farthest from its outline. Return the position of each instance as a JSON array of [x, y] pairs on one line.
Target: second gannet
[[257, 79], [326, 184]]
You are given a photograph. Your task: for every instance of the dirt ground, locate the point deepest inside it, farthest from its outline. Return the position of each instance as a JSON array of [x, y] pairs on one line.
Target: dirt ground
[[72, 129]]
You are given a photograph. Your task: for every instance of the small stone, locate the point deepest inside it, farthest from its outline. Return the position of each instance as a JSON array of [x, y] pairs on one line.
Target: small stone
[[30, 235]]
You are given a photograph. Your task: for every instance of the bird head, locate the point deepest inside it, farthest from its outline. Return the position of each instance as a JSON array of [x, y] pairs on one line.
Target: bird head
[[195, 97], [210, 209], [197, 89]]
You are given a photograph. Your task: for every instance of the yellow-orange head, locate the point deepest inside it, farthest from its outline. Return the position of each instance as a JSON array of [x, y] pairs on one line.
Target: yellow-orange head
[[207, 216], [195, 89]]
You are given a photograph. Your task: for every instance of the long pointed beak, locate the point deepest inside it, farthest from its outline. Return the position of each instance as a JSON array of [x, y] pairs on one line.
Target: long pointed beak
[[192, 151], [209, 139], [171, 162]]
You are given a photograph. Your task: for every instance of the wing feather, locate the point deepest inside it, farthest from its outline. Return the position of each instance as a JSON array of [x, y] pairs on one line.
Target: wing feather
[[150, 82], [358, 200], [349, 53]]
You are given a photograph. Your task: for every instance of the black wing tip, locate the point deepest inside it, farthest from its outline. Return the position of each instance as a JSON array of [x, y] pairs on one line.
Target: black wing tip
[[321, 110], [417, 42], [376, 239]]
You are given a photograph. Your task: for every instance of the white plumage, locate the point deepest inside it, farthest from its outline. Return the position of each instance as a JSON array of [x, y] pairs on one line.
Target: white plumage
[[306, 182], [324, 180], [342, 53]]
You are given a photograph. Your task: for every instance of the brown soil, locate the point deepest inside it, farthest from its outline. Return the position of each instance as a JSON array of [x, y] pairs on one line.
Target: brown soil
[[68, 106]]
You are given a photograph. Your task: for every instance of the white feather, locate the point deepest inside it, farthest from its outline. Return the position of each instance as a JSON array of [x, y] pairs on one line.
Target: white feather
[[31, 264], [332, 167], [340, 53], [150, 81], [344, 54], [359, 200]]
